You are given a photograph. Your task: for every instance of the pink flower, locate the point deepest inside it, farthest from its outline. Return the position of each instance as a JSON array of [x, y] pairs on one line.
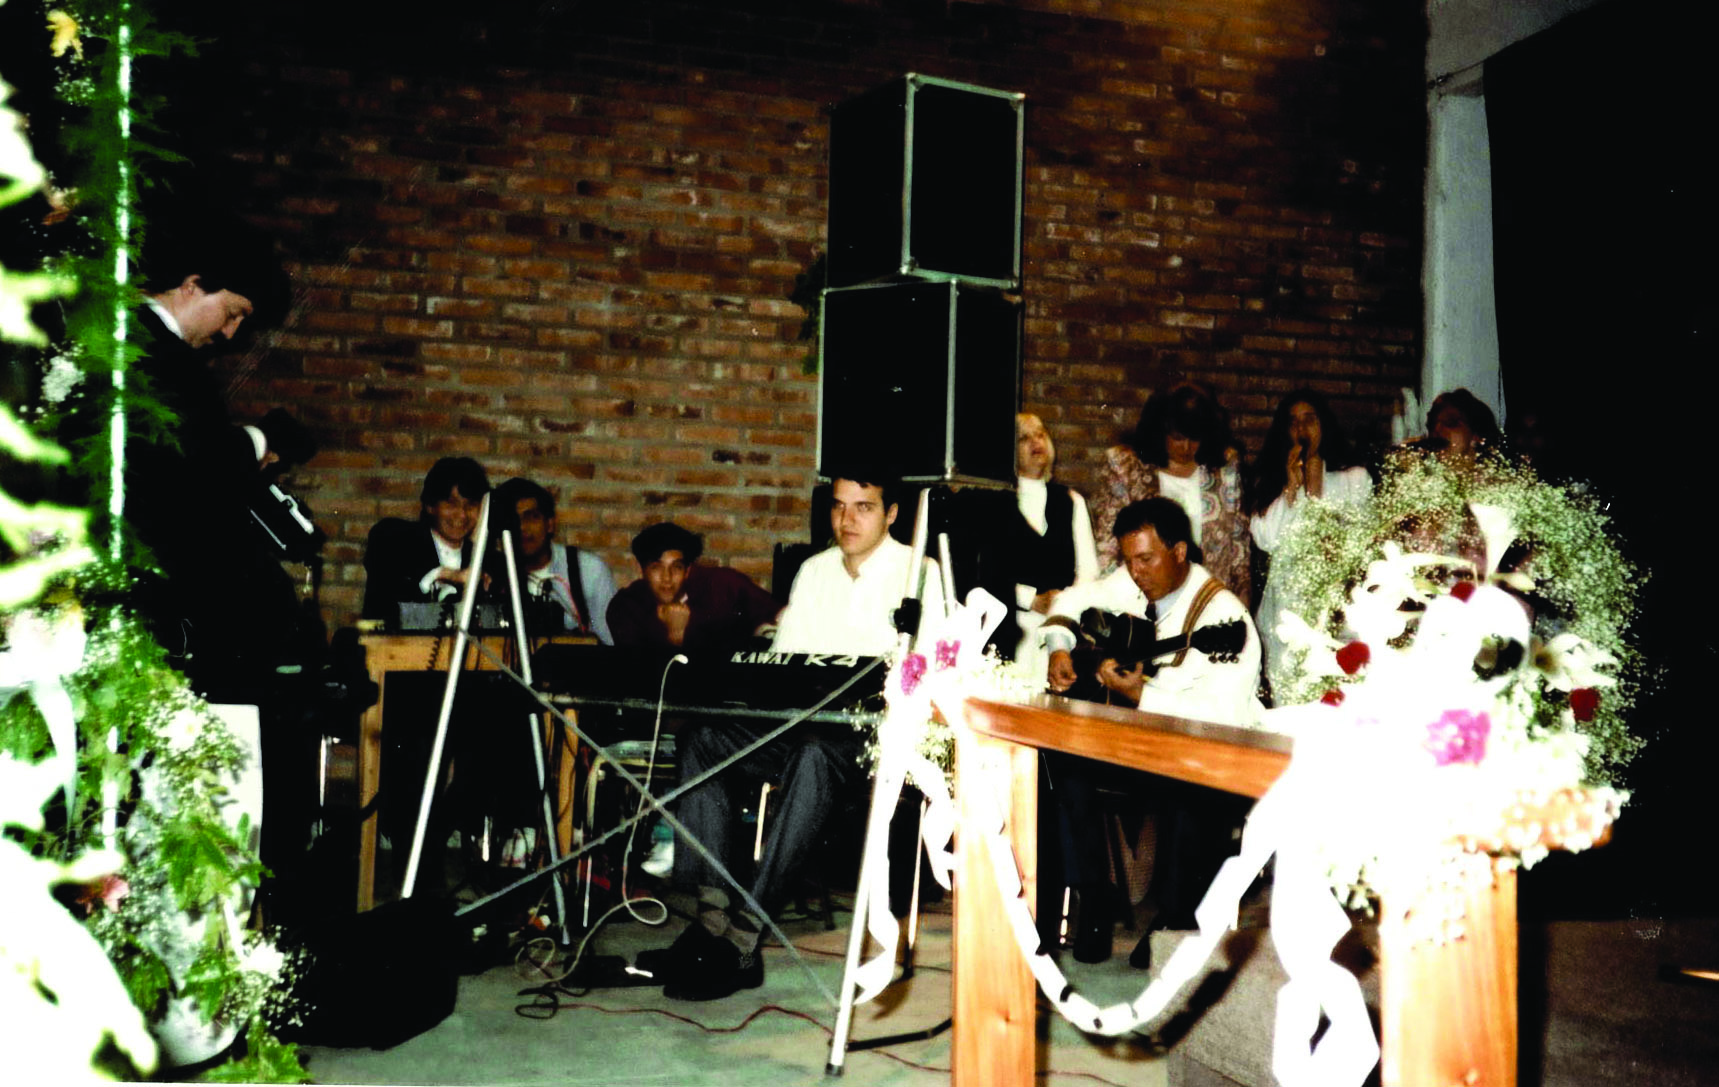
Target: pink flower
[[1458, 736], [946, 654], [912, 671], [1353, 657], [1333, 697], [1583, 702]]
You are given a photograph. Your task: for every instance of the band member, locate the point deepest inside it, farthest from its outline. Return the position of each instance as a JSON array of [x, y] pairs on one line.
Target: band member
[[426, 561], [842, 601], [1306, 459], [679, 604], [577, 582], [1159, 579]]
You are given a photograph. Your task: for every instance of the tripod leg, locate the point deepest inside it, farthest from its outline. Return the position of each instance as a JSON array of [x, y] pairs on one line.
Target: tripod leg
[[532, 726], [876, 850]]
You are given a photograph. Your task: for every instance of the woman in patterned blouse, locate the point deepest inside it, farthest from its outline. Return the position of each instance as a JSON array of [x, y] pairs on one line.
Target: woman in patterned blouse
[[1182, 449]]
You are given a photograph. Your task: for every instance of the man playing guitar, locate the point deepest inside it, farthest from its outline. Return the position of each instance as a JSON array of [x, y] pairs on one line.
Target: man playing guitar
[[1194, 666], [1194, 655]]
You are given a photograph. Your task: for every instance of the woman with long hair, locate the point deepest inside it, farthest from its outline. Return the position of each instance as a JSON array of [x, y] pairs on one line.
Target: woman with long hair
[[1182, 450], [1460, 426], [1307, 458]]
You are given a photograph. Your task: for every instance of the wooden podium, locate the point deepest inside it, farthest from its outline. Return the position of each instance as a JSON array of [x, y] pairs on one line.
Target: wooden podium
[[1448, 1013], [386, 653]]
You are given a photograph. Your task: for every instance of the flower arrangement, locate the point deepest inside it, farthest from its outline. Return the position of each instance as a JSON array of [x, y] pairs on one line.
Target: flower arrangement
[[148, 787], [1458, 666], [988, 676]]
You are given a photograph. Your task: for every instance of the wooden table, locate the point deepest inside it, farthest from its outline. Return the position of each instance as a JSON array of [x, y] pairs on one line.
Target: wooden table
[[419, 652], [1448, 1012]]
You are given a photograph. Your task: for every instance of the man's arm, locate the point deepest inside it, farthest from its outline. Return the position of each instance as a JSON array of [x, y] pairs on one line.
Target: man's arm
[[632, 619]]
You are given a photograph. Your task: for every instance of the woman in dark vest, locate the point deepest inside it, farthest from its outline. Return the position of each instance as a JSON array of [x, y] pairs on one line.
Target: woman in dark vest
[[1054, 545]]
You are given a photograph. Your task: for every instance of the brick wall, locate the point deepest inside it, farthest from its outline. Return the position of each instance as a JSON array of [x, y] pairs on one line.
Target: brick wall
[[565, 245]]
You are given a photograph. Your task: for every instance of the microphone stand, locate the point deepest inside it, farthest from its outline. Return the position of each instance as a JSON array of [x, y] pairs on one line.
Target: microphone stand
[[883, 797], [522, 639]]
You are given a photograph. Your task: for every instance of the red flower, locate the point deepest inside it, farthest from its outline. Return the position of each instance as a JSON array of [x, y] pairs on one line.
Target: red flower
[[1462, 590], [1333, 697], [1353, 656], [1583, 702]]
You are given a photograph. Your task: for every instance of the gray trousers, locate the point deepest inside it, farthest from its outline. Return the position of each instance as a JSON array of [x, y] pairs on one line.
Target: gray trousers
[[811, 770]]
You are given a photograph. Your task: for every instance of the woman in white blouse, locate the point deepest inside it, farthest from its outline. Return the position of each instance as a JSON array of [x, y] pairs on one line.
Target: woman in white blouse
[[1307, 458]]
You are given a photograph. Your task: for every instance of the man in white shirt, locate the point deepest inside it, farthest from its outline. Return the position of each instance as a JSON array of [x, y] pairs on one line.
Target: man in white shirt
[[844, 598], [843, 602], [578, 583], [1158, 578]]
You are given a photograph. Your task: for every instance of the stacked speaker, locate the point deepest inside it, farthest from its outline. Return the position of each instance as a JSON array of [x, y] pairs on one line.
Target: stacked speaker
[[920, 336]]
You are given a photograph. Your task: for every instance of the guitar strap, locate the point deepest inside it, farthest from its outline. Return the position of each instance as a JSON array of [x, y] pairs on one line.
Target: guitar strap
[[1210, 589]]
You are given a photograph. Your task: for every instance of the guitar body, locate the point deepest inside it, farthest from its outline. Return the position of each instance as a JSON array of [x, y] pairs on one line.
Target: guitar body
[[1130, 640]]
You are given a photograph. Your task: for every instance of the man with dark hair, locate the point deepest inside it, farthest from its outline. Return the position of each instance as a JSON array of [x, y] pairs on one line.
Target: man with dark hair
[[226, 612], [425, 561], [678, 604], [577, 582], [844, 598], [842, 602], [1160, 578]]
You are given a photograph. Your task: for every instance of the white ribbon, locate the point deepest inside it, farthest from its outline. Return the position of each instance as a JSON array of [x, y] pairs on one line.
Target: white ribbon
[[1306, 923], [899, 760]]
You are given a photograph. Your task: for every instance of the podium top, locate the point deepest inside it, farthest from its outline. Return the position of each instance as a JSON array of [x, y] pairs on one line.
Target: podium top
[[1236, 760]]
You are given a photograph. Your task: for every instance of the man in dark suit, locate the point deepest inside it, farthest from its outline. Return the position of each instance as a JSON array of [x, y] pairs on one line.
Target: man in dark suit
[[426, 561], [214, 592]]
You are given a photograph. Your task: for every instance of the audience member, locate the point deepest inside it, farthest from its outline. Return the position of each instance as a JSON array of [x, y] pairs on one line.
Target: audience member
[[1307, 457], [1182, 450]]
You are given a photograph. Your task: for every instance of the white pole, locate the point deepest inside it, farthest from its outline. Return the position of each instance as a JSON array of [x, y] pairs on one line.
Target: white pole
[[523, 640], [432, 773]]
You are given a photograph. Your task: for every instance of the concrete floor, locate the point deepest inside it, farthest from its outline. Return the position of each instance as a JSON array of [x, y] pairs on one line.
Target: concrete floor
[[1604, 1016]]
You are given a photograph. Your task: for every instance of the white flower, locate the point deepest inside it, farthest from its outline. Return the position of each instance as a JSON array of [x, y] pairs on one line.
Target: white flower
[[61, 378], [1496, 528], [1375, 612], [1571, 662], [182, 730]]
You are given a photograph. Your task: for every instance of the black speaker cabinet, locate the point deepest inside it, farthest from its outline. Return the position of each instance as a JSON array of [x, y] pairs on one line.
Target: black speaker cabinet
[[923, 376], [925, 181]]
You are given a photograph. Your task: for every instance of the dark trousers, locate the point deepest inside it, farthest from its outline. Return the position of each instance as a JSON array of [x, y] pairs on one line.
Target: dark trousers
[[1195, 827], [811, 771]]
